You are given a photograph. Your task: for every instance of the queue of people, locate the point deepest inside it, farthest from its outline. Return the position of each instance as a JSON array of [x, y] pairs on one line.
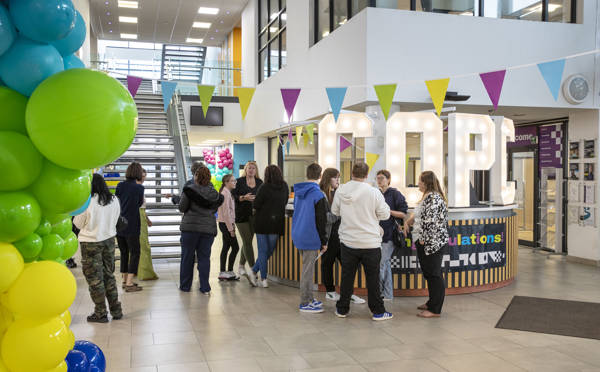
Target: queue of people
[[354, 224]]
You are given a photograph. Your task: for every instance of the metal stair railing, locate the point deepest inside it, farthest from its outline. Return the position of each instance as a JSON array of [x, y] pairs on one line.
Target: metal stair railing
[[178, 131]]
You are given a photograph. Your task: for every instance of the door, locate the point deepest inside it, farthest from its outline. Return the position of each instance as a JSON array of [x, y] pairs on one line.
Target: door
[[523, 170]]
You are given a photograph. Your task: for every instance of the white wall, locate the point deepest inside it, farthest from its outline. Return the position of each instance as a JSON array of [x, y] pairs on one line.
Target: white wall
[[583, 240], [249, 42], [83, 6]]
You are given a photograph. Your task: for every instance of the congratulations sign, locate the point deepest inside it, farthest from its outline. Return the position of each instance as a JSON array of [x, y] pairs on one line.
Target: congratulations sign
[[470, 247]]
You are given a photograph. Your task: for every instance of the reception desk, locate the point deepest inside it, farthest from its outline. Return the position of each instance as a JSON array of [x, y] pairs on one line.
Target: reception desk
[[481, 255]]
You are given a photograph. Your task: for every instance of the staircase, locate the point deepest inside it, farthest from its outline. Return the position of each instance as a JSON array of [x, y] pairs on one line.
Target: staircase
[[154, 148]]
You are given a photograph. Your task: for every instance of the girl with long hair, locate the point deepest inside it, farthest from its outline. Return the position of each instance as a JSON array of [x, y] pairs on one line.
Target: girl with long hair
[[145, 269], [97, 226], [430, 235], [226, 220]]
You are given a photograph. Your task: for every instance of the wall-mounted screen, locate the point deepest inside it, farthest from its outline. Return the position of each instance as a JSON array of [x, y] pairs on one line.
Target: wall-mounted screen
[[214, 116]]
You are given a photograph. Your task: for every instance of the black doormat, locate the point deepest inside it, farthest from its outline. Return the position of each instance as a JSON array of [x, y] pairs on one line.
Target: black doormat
[[557, 317]]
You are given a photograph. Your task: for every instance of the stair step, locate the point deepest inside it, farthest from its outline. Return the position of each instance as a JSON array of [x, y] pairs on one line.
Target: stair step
[[165, 244], [147, 156], [149, 135], [164, 233], [147, 179], [161, 163], [140, 148], [166, 223], [162, 206]]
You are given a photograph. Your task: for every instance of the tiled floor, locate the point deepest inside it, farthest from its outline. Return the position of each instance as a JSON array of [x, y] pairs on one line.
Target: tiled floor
[[240, 328]]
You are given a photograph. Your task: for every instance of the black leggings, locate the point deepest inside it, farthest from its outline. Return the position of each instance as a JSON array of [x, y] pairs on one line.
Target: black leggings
[[228, 242], [332, 254], [130, 253], [431, 266]]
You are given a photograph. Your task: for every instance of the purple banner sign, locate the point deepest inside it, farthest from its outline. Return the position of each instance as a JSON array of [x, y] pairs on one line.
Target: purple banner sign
[[550, 146], [524, 136]]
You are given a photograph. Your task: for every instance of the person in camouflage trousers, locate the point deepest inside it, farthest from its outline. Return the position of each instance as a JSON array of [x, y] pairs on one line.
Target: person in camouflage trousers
[[98, 261]]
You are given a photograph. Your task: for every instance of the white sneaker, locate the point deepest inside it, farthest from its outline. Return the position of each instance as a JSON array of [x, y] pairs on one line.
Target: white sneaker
[[357, 300], [251, 278], [333, 296], [264, 283], [233, 275], [242, 270], [224, 275]]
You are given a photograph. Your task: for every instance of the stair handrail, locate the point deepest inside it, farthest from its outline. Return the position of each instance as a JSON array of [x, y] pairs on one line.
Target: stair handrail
[[182, 157]]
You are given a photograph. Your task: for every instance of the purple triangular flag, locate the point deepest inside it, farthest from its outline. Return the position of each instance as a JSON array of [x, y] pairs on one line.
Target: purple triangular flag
[[290, 97], [344, 143], [133, 84], [493, 81]]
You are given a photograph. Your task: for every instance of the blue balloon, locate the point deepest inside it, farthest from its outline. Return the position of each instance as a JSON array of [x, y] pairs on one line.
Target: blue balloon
[[43, 20], [8, 34], [27, 63], [77, 361], [93, 353], [73, 62], [74, 40], [82, 208]]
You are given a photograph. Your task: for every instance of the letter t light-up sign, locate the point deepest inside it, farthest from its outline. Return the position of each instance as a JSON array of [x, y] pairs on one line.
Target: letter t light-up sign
[[461, 160]]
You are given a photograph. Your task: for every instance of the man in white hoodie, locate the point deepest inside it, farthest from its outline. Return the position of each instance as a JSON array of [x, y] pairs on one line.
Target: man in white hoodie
[[361, 207]]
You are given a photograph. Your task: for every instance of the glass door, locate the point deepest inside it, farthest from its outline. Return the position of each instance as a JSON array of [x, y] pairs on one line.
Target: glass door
[[523, 168]]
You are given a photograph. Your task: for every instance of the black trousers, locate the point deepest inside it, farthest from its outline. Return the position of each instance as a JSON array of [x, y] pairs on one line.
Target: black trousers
[[332, 253], [228, 242], [351, 260], [130, 253], [431, 266]]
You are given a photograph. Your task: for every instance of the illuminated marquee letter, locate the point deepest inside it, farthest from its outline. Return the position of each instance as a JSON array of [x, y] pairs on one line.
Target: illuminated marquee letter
[[359, 124], [461, 160], [503, 192], [432, 148]]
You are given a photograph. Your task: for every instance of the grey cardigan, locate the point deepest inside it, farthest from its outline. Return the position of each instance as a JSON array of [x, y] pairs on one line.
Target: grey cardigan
[[199, 205]]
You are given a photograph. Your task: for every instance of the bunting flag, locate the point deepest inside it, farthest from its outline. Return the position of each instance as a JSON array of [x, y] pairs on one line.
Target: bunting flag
[[290, 97], [493, 81], [205, 92], [437, 90], [168, 89], [245, 97], [305, 138], [371, 159], [298, 135], [385, 95], [280, 138], [310, 131], [336, 99], [552, 72], [344, 143], [290, 136], [133, 84], [287, 146]]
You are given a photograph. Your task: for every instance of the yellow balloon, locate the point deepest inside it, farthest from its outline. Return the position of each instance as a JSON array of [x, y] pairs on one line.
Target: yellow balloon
[[66, 318], [35, 346], [3, 367], [11, 265], [44, 290], [60, 368], [6, 319]]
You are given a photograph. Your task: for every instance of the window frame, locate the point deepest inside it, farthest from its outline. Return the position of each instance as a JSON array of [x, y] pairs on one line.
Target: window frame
[[271, 38]]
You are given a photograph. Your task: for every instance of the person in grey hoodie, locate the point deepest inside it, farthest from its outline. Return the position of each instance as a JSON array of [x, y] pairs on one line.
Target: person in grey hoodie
[[199, 203], [361, 207]]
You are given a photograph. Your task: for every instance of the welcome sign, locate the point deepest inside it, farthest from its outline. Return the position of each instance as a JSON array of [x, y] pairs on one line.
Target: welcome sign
[[470, 247]]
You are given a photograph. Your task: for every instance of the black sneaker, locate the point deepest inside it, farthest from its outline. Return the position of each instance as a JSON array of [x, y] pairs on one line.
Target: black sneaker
[[94, 318], [70, 263], [117, 317]]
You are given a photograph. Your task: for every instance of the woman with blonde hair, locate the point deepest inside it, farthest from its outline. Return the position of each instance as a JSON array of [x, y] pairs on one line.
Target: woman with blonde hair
[[244, 195], [430, 235]]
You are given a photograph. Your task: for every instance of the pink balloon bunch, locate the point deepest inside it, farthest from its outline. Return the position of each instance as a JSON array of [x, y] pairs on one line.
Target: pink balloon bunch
[[225, 159], [209, 157]]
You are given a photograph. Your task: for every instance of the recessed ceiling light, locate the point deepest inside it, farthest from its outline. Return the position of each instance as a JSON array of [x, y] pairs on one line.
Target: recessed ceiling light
[[128, 36], [201, 25], [205, 10], [107, 13], [192, 40], [128, 4], [123, 19], [110, 23], [212, 38]]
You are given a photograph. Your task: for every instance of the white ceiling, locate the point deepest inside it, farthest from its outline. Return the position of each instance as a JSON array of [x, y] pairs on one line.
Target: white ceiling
[[167, 21]]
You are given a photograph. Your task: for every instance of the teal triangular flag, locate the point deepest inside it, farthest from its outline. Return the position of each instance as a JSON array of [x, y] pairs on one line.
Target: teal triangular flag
[[552, 73], [168, 89], [336, 99]]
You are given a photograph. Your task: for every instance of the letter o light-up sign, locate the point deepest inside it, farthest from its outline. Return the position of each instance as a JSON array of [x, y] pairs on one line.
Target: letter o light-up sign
[[359, 124], [432, 148], [461, 160]]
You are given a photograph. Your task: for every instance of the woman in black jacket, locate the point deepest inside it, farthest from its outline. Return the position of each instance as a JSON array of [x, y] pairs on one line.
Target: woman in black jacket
[[199, 203], [270, 202]]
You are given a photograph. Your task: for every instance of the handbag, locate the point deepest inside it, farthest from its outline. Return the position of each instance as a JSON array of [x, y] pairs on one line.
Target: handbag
[[122, 224], [398, 236]]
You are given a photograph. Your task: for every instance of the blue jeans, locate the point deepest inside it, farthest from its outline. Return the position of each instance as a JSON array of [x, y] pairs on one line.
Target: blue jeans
[[266, 245], [385, 270], [195, 245]]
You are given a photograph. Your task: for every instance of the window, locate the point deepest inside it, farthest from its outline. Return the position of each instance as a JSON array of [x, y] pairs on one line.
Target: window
[[271, 37]]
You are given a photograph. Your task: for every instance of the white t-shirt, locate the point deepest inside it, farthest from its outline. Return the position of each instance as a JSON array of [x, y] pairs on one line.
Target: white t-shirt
[[98, 222]]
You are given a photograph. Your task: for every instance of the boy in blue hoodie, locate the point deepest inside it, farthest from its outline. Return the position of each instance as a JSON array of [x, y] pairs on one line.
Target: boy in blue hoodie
[[308, 233]]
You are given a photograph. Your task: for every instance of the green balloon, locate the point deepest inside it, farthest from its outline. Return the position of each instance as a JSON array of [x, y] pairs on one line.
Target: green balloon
[[81, 119], [71, 246], [61, 190], [20, 215], [63, 228], [30, 247], [12, 107], [20, 161], [44, 227], [53, 247], [53, 219]]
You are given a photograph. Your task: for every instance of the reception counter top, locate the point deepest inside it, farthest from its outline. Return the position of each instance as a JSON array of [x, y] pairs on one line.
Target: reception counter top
[[481, 255]]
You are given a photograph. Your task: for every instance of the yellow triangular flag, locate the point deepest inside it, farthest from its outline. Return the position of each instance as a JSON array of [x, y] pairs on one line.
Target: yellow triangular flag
[[371, 159], [310, 129], [205, 92], [298, 135], [437, 90], [245, 97], [305, 138]]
